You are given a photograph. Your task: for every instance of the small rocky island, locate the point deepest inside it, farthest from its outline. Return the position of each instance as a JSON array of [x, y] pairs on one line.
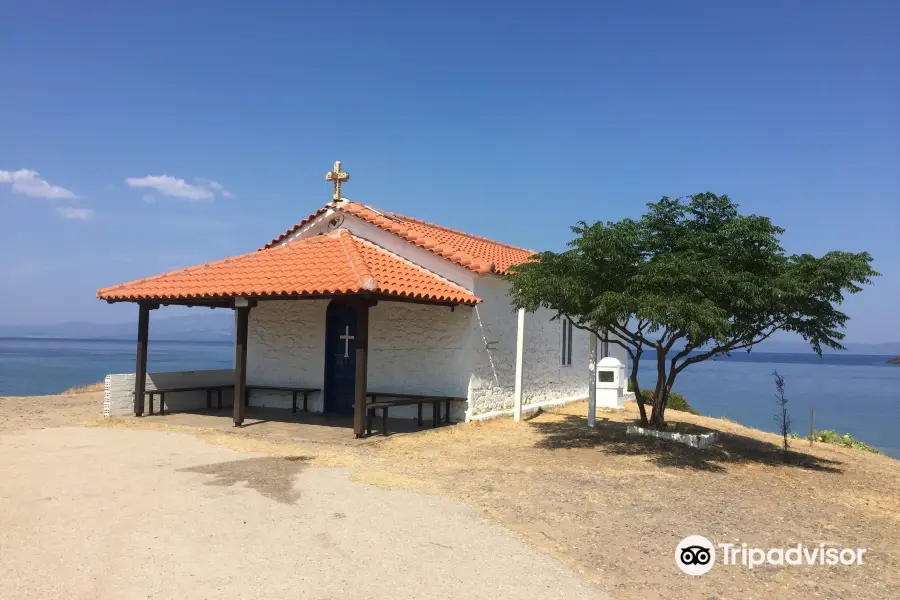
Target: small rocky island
[[894, 361]]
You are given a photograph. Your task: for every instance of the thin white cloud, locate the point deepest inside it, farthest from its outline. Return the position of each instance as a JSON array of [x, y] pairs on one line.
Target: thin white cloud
[[214, 186], [76, 214], [149, 198], [202, 190], [28, 183]]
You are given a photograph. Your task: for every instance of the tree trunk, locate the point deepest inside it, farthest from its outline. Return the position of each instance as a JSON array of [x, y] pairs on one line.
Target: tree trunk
[[636, 388], [658, 418], [661, 396]]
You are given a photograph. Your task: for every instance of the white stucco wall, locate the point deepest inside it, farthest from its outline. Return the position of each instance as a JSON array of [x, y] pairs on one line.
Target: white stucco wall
[[118, 399], [492, 386], [492, 349], [419, 349], [413, 348], [286, 346], [493, 355]]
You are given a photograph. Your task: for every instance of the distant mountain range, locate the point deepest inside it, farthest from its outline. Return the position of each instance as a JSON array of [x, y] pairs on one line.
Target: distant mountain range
[[800, 347], [213, 326], [219, 326]]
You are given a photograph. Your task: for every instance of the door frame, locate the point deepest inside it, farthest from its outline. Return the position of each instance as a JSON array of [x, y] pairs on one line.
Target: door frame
[[335, 305]]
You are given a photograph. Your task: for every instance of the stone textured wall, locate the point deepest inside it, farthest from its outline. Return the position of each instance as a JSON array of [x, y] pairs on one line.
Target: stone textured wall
[[545, 378], [492, 349], [118, 399], [492, 346], [286, 346], [419, 349], [413, 348]]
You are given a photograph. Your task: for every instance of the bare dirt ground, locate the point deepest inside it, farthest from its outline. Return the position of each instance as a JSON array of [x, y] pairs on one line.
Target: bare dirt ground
[[103, 513], [614, 507]]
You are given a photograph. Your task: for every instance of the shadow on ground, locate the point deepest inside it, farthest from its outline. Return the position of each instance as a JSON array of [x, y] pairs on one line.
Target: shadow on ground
[[610, 437], [271, 476]]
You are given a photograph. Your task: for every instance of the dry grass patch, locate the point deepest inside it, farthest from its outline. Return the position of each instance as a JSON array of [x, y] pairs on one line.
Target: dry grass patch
[[615, 506], [40, 412], [85, 389]]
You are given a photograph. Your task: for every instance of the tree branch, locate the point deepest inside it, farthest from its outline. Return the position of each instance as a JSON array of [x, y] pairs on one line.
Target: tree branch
[[731, 346]]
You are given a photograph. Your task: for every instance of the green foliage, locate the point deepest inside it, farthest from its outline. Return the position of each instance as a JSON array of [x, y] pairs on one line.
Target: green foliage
[[676, 402], [830, 436], [691, 279]]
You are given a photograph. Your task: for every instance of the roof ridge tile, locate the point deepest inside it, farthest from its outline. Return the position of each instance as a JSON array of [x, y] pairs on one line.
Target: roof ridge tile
[[408, 262], [476, 253], [480, 238], [355, 259]]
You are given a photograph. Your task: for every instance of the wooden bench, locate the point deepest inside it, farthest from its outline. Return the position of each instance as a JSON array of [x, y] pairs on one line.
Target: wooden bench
[[284, 388], [405, 400], [209, 389], [161, 392]]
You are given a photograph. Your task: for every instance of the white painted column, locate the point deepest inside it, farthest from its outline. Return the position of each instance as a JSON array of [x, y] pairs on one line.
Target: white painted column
[[520, 363], [592, 382]]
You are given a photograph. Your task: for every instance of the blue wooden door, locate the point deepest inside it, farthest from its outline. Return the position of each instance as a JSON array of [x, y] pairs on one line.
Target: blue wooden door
[[340, 358]]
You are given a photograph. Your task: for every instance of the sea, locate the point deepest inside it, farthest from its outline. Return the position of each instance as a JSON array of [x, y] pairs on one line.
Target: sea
[[851, 393]]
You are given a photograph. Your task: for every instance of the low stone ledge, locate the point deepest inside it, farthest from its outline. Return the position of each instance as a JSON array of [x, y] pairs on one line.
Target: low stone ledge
[[700, 441]]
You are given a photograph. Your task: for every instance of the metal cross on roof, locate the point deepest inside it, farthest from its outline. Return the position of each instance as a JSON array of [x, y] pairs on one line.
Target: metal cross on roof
[[337, 177]]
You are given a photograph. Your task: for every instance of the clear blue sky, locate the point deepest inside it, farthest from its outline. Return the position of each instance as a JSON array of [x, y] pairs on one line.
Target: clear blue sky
[[501, 119]]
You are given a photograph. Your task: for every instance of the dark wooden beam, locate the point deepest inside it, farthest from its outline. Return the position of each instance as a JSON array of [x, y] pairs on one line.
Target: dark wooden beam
[[362, 368], [140, 369], [242, 322]]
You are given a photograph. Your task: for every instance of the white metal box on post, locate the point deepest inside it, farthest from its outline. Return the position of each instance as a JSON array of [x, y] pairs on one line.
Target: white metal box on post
[[611, 383]]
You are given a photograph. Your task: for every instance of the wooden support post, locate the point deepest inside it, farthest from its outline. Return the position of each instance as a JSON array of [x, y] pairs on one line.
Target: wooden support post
[[140, 370], [520, 365], [362, 369], [592, 380], [240, 363]]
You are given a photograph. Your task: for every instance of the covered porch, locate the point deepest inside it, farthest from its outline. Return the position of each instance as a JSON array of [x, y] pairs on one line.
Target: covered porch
[[319, 340], [278, 424]]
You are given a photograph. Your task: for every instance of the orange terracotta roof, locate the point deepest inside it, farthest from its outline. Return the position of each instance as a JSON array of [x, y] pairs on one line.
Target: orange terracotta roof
[[473, 252], [335, 263]]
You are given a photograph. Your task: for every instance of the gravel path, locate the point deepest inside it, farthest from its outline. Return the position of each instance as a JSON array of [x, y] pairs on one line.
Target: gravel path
[[120, 513]]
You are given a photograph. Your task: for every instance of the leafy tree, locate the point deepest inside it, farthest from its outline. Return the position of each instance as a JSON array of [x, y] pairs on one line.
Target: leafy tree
[[690, 280]]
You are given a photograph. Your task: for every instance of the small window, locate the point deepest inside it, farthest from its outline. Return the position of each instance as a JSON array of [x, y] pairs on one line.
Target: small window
[[566, 351]]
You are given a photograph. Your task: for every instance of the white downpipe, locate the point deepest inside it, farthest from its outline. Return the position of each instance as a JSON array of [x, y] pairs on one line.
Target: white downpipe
[[592, 381], [520, 363]]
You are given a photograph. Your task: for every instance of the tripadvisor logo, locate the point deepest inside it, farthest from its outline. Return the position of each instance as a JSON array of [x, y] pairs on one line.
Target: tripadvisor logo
[[696, 555]]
